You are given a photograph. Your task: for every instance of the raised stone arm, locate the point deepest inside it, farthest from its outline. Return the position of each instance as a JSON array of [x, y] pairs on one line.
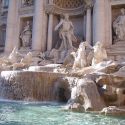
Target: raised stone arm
[[57, 26]]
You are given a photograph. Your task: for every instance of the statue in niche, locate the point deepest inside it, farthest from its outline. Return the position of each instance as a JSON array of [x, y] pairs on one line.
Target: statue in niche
[[119, 26], [26, 35], [65, 33]]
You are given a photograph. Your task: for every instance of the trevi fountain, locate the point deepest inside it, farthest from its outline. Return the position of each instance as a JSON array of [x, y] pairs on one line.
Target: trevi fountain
[[62, 62]]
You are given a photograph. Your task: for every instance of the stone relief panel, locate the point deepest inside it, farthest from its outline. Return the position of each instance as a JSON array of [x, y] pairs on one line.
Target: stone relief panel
[[26, 3], [118, 24]]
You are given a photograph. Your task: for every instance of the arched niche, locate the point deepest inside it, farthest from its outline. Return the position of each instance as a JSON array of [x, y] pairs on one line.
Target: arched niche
[[75, 9]]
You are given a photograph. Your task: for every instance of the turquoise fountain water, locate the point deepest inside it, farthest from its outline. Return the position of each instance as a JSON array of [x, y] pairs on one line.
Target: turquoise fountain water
[[25, 113]]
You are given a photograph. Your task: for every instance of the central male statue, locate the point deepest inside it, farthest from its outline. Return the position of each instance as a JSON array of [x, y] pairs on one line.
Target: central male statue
[[66, 32]]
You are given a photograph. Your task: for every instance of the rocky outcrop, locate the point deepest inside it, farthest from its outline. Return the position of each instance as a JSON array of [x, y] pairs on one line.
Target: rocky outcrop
[[85, 94], [113, 110]]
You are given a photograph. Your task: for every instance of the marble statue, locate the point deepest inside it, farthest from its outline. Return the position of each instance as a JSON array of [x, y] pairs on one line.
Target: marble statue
[[82, 56], [26, 35], [100, 53], [66, 32], [119, 26]]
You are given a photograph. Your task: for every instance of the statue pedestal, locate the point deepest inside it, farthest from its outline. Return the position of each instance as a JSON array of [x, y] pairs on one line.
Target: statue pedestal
[[117, 51]]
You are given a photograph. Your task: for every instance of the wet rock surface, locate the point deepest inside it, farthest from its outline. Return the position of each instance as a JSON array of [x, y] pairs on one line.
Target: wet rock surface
[[113, 110]]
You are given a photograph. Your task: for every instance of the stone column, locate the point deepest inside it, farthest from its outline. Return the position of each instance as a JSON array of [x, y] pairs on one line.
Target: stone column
[[108, 22], [11, 26], [50, 32], [50, 29], [84, 27], [99, 21], [39, 19], [88, 25]]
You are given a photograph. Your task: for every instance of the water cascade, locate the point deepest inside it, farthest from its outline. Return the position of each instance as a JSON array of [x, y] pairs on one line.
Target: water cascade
[[26, 85]]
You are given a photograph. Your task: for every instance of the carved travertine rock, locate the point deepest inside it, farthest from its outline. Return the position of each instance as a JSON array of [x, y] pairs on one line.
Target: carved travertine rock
[[113, 110], [85, 94], [25, 62], [14, 56]]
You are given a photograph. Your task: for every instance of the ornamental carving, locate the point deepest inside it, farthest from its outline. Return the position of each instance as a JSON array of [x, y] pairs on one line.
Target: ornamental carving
[[68, 3], [26, 3], [71, 7]]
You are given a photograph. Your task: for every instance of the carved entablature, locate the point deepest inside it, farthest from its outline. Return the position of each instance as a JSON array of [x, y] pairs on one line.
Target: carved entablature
[[71, 7], [23, 11], [117, 2]]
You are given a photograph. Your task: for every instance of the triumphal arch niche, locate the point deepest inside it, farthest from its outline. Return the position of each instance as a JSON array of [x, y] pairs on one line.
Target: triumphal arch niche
[[77, 11]]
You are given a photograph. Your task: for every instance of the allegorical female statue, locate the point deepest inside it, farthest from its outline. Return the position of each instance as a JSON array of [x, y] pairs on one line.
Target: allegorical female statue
[[26, 35], [119, 26]]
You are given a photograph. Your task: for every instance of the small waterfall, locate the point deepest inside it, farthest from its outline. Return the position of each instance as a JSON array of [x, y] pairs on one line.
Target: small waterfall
[[45, 86], [27, 85]]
